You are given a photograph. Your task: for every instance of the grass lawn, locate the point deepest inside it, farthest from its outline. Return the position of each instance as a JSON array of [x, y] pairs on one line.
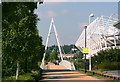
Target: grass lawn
[[27, 76]]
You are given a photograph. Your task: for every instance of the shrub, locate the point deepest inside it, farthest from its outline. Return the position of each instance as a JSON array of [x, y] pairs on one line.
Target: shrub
[[108, 59]]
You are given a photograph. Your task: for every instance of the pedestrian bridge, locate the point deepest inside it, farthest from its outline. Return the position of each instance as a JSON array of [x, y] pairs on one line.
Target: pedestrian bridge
[[66, 63]]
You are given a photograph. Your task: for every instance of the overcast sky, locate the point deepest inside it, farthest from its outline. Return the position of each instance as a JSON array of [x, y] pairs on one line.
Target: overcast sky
[[70, 17]]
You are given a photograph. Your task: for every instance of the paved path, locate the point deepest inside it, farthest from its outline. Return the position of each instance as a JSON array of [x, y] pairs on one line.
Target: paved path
[[60, 72]]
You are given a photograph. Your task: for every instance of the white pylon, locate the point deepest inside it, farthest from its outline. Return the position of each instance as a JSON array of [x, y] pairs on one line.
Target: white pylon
[[46, 45]]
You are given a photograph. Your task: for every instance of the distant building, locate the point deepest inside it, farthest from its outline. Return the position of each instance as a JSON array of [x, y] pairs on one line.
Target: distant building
[[67, 55]]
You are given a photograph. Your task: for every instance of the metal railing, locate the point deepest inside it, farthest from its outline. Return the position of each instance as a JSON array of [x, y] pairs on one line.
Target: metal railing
[[67, 64]]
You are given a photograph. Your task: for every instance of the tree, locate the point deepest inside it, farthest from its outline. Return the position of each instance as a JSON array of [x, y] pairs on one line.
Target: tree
[[78, 55], [107, 59], [78, 60], [53, 56], [20, 34], [47, 55], [65, 49]]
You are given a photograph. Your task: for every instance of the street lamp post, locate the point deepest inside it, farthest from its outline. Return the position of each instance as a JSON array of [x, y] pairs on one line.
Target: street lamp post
[[91, 15], [85, 53]]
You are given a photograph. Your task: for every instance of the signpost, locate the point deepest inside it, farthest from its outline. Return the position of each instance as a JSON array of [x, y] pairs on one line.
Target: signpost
[[85, 50]]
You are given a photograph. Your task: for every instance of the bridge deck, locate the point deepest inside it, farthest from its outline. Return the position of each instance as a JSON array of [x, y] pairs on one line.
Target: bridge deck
[[60, 72]]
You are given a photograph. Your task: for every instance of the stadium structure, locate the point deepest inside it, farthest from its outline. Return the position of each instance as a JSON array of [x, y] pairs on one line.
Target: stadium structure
[[100, 35]]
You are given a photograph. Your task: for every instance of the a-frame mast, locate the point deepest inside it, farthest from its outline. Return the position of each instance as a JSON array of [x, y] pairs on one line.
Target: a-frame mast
[[52, 24]]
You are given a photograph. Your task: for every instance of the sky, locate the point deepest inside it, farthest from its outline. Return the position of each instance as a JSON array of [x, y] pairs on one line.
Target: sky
[[60, 0], [81, 0], [70, 18]]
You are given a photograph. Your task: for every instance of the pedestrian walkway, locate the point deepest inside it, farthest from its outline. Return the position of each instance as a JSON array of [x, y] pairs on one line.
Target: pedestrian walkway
[[60, 72]]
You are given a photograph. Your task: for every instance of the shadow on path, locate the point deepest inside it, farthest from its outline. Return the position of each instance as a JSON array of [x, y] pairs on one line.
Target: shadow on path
[[59, 72]]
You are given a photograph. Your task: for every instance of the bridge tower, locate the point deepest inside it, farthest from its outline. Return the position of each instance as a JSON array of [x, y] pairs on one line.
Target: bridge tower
[[52, 24]]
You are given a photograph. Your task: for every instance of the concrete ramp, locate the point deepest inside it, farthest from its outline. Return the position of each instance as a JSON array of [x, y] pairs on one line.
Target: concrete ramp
[[67, 64]]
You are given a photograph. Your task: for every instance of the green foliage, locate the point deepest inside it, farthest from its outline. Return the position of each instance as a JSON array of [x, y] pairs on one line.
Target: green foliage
[[52, 50], [27, 76], [47, 55], [8, 66], [78, 61], [20, 37], [65, 48], [106, 65], [21, 77], [78, 55], [107, 59], [68, 48], [53, 56]]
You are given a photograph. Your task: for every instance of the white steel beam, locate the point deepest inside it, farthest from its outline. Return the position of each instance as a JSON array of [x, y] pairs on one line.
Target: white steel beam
[[46, 45]]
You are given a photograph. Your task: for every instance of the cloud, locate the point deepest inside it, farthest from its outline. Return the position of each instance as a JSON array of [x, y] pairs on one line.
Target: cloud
[[56, 1], [48, 14], [81, 25], [51, 14], [51, 3], [64, 11]]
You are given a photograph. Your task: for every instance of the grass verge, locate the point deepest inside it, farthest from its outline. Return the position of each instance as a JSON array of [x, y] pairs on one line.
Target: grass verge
[[24, 77], [96, 75], [27, 76]]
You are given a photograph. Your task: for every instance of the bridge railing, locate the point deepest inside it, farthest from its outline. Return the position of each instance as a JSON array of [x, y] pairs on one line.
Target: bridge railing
[[67, 64]]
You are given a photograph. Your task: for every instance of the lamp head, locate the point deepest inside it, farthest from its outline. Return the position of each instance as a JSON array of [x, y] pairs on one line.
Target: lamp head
[[91, 15]]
